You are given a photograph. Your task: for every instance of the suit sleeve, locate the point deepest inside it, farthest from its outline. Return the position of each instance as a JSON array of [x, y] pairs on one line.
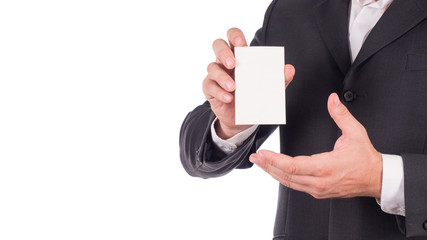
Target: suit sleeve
[[414, 224], [199, 155]]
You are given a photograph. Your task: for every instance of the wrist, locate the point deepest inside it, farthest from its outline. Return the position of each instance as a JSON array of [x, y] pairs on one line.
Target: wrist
[[379, 176], [225, 132]]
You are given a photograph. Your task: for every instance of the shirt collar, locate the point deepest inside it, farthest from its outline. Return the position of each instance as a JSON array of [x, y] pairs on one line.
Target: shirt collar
[[374, 3]]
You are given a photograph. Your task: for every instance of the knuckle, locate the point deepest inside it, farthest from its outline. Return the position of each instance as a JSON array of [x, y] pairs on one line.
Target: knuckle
[[224, 53], [287, 177], [342, 111], [222, 77], [209, 84], [286, 184], [204, 84], [216, 43], [271, 162], [217, 93], [321, 186], [211, 67], [317, 196], [211, 89], [293, 169], [232, 31], [266, 166], [320, 171]]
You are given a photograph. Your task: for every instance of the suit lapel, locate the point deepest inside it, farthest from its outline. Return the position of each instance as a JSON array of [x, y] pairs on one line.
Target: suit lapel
[[332, 20], [400, 17]]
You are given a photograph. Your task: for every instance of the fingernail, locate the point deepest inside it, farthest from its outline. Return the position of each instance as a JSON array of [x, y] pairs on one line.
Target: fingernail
[[238, 41], [253, 158], [227, 98], [336, 100], [229, 62], [229, 85]]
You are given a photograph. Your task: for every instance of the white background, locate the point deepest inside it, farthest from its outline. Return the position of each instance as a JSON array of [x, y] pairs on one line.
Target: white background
[[92, 97]]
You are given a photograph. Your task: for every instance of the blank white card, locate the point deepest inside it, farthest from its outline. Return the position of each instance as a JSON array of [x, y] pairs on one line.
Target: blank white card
[[260, 85]]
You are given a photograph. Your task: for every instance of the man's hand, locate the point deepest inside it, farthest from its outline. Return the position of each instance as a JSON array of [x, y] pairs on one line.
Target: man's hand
[[353, 168], [219, 86]]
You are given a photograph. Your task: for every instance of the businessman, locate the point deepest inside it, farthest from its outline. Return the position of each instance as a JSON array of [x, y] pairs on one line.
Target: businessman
[[353, 161]]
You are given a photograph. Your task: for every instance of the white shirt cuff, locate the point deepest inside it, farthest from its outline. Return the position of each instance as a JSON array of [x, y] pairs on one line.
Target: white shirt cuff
[[230, 145], [392, 191]]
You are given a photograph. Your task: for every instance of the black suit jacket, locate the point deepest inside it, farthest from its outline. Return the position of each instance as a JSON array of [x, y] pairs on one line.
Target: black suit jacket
[[385, 89]]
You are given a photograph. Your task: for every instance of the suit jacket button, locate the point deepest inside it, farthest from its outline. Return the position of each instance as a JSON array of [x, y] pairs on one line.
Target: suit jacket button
[[425, 225], [349, 96]]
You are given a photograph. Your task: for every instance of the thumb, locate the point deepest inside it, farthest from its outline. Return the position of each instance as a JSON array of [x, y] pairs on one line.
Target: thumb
[[289, 74], [342, 117]]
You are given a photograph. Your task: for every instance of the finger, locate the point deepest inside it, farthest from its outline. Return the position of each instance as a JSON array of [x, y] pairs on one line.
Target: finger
[[312, 185], [342, 117], [289, 74], [285, 177], [212, 90], [301, 165], [218, 74], [312, 191], [223, 53], [236, 38], [306, 184], [300, 187]]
